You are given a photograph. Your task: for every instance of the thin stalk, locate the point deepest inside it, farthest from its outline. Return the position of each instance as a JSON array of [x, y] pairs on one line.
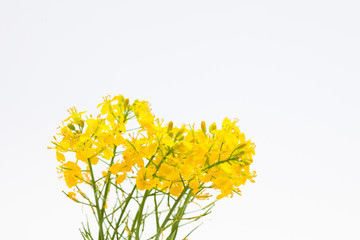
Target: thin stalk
[[170, 212], [127, 200], [178, 218], [138, 218], [107, 188], [100, 220], [140, 214], [156, 214]]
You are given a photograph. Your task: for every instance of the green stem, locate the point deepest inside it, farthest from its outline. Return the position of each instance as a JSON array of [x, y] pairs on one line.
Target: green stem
[[170, 212], [127, 200], [107, 188], [100, 220], [219, 162], [138, 218], [178, 218], [156, 213]]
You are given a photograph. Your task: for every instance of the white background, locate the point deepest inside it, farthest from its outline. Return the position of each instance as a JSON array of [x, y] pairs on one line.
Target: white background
[[289, 70]]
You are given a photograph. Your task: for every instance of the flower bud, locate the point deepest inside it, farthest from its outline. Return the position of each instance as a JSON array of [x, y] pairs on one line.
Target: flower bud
[[212, 127], [72, 195], [70, 126], [170, 126], [81, 123], [203, 127], [246, 161], [126, 103], [181, 131]]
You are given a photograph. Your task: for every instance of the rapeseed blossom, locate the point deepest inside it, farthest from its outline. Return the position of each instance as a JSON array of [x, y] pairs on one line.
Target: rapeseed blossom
[[156, 156]]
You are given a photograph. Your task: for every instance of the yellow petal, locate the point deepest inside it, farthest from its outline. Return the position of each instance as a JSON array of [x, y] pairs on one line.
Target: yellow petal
[[94, 160], [120, 178], [176, 189], [168, 141], [194, 184], [81, 156], [115, 168], [72, 196], [152, 149], [107, 153], [70, 179], [60, 157], [110, 117], [118, 140], [105, 108], [109, 140]]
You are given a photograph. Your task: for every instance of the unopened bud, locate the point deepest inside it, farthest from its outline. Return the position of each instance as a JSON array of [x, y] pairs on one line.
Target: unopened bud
[[181, 138], [181, 131], [203, 127], [246, 161], [212, 127], [81, 123], [170, 126], [70, 126], [126, 103]]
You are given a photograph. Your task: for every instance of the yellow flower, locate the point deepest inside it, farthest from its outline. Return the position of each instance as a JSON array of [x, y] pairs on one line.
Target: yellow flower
[[168, 157], [72, 174], [144, 179]]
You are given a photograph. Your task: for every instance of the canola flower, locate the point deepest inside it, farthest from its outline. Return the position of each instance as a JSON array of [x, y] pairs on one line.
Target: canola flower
[[155, 164]]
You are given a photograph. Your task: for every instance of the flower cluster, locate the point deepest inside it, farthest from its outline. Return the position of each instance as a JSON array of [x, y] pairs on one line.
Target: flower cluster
[[156, 154]]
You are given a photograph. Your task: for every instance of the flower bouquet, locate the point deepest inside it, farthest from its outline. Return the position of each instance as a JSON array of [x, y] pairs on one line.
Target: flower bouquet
[[143, 178]]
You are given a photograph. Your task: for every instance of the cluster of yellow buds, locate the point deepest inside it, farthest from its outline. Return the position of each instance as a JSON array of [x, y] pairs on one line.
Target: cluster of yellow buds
[[157, 154]]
